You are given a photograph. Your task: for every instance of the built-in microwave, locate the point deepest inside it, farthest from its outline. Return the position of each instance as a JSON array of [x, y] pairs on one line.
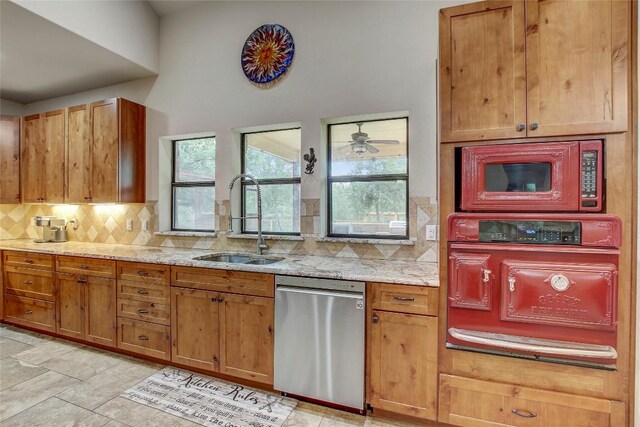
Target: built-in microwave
[[544, 176]]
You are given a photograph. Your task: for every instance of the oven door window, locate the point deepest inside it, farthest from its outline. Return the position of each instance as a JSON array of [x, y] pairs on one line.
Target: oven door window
[[517, 177]]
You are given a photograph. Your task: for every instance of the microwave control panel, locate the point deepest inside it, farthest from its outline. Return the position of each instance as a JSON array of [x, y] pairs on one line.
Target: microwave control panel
[[532, 232], [589, 175]]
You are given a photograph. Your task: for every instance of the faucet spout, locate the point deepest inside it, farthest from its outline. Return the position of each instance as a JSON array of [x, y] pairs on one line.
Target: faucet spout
[[261, 245]]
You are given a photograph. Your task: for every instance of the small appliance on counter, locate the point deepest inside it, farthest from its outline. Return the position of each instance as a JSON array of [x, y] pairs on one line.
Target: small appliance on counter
[[53, 229]]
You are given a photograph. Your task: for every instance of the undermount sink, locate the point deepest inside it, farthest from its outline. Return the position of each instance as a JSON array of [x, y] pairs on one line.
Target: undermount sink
[[239, 259]]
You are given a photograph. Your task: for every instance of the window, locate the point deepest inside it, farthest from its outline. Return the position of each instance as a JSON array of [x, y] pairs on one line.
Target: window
[[368, 179], [273, 158], [193, 184]]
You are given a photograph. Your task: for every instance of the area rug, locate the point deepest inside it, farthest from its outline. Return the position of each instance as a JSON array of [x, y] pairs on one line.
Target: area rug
[[209, 401]]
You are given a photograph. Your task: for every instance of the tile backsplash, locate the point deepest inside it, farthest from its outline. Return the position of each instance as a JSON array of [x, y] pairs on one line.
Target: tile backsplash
[[107, 224]]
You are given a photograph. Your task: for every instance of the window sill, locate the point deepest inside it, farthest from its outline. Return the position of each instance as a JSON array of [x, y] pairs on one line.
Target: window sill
[[369, 241], [264, 236], [186, 233]]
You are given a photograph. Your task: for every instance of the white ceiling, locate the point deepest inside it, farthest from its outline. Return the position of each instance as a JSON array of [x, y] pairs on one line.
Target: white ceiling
[[167, 7]]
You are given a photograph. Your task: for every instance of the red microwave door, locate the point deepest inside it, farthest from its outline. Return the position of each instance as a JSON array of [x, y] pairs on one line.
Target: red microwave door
[[521, 177], [574, 295]]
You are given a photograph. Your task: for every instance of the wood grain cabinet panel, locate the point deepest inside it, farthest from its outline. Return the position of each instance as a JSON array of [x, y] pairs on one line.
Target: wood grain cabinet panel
[[246, 337], [29, 283], [79, 161], [237, 282], [28, 260], [144, 338], [86, 266], [147, 311], [70, 308], [405, 299], [143, 272], [9, 159], [144, 292], [34, 313]]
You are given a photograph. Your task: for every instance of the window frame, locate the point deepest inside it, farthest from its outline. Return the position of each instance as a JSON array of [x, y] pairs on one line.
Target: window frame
[[366, 178], [264, 182], [188, 184]]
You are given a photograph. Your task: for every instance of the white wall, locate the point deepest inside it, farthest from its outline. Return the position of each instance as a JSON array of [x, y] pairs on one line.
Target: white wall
[[351, 58], [128, 28], [10, 108]]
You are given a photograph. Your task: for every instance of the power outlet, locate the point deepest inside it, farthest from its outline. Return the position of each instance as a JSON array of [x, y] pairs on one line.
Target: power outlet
[[145, 224], [432, 232], [129, 225]]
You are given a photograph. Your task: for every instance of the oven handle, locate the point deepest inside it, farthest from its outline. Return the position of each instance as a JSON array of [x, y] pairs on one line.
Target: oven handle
[[535, 345]]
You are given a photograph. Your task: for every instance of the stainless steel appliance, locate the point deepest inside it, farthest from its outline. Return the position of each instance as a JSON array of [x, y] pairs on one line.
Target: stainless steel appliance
[[540, 286], [319, 340], [53, 229]]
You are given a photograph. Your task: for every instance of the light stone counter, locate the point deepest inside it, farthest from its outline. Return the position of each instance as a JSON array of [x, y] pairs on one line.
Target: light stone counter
[[405, 272]]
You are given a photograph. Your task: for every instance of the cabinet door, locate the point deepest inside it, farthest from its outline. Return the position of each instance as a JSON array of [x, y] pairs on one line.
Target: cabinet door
[[404, 349], [9, 159], [194, 328], [577, 66], [246, 337], [78, 155], [54, 126], [104, 145], [32, 171], [482, 71], [100, 311], [70, 305]]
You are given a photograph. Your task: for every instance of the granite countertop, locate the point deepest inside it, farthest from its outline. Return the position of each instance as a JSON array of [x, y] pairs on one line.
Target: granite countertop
[[405, 272]]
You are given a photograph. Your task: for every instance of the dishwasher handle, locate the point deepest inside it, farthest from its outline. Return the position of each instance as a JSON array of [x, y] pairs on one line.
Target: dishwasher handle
[[323, 292]]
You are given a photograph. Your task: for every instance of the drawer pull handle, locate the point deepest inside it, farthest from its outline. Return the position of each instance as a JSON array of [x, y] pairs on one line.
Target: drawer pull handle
[[534, 126], [375, 319], [485, 275], [82, 281], [524, 413], [407, 299], [143, 311], [143, 338], [512, 284], [521, 127], [28, 282], [143, 273], [143, 292], [84, 267], [28, 312], [28, 261]]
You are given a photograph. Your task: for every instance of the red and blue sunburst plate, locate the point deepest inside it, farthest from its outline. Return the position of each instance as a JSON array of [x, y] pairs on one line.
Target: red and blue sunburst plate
[[267, 54]]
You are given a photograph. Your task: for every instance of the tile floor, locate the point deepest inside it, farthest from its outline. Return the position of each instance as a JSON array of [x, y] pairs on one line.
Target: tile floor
[[45, 381]]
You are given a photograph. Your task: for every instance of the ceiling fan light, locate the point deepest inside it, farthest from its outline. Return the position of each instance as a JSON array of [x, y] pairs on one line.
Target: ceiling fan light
[[359, 148]]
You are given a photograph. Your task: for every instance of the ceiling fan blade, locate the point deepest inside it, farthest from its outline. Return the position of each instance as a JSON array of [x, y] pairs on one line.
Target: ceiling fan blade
[[371, 148], [342, 142], [341, 149], [383, 141]]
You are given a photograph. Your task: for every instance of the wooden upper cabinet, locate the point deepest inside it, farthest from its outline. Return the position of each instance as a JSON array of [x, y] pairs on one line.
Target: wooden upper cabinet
[[54, 155], [577, 62], [9, 159], [104, 145], [554, 69], [482, 71], [78, 155]]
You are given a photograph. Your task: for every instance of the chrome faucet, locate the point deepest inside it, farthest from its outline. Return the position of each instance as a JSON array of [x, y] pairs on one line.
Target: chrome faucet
[[261, 246]]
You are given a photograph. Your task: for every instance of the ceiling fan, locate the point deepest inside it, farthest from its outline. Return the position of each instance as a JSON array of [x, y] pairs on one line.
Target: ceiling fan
[[360, 142]]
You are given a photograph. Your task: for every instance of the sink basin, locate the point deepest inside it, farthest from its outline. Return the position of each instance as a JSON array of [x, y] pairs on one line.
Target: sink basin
[[239, 259]]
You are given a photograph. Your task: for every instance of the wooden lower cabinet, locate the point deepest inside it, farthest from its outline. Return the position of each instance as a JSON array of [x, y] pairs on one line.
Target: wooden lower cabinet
[[144, 338], [471, 402], [87, 309], [194, 328], [34, 313], [404, 349], [246, 337]]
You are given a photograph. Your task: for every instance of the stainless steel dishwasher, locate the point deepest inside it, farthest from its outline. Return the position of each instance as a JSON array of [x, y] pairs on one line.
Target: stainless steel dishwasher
[[319, 339]]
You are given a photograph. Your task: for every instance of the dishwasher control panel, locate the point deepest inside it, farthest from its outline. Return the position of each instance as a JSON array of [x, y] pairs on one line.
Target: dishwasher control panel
[[327, 284]]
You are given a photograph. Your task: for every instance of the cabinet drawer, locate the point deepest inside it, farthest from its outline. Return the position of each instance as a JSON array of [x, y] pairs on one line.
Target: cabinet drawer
[[405, 299], [142, 272], [144, 338], [237, 282], [147, 311], [145, 292], [30, 283], [35, 313], [86, 266], [29, 260], [470, 402]]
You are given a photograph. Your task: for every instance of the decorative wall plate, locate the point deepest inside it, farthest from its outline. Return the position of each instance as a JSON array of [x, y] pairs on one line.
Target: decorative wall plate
[[267, 54]]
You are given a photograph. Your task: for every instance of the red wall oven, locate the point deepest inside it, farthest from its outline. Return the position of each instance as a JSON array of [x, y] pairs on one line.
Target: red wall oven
[[535, 285], [544, 177]]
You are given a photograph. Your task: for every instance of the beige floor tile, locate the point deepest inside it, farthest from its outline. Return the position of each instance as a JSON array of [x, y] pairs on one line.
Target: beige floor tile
[[9, 347], [52, 412], [114, 423], [48, 350], [31, 392], [382, 422], [305, 415], [22, 335], [135, 414], [95, 420], [14, 371], [106, 385], [335, 418], [83, 363]]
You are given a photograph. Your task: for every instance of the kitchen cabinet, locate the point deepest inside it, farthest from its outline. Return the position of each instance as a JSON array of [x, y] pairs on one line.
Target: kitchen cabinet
[[403, 350], [9, 159], [106, 152], [471, 402], [556, 68], [42, 158], [86, 303]]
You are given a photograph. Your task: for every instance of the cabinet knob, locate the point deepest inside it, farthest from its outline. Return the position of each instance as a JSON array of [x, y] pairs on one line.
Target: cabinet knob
[[375, 319], [524, 413], [521, 127], [143, 338], [534, 126], [220, 299]]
